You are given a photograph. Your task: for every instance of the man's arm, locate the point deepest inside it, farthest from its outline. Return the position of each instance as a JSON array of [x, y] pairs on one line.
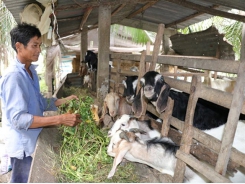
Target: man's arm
[[63, 119]]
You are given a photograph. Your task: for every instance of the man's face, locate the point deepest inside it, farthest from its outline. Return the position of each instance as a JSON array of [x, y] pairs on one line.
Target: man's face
[[30, 52]]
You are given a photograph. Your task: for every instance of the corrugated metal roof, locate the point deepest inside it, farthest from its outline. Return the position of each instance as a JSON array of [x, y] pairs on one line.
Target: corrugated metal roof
[[205, 43], [173, 13]]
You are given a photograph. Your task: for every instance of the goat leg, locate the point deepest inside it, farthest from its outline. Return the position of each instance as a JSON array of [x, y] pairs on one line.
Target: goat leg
[[117, 160]]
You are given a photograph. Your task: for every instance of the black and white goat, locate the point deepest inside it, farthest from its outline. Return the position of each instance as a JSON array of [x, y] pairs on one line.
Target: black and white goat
[[91, 59], [207, 114], [158, 153], [130, 84]]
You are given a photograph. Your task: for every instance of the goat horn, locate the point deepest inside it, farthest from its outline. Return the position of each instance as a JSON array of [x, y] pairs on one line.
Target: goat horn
[[137, 130], [123, 135]]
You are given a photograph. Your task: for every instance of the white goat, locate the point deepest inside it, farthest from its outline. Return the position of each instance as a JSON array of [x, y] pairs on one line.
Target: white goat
[[239, 140], [127, 122], [87, 81], [158, 153]]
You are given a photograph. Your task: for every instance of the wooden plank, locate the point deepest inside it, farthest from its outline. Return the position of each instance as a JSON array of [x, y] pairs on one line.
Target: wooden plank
[[124, 72], [187, 135], [207, 93], [86, 14], [166, 116], [205, 63], [236, 106], [202, 152], [140, 10], [118, 9], [149, 26], [207, 171], [209, 141], [157, 45]]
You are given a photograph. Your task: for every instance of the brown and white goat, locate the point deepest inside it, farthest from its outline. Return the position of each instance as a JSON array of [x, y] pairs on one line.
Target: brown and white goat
[[158, 153], [115, 106]]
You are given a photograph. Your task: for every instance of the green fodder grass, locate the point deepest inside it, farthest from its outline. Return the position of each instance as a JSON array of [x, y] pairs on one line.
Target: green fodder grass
[[83, 156]]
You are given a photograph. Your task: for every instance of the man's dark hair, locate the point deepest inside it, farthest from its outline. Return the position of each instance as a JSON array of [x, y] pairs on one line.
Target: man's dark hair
[[23, 33]]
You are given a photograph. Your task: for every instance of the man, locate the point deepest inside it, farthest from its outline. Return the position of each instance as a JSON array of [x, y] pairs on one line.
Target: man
[[23, 105]]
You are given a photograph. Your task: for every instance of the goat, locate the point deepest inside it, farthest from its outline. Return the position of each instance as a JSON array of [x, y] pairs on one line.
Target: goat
[[115, 105], [87, 80], [158, 153], [127, 122], [83, 69], [207, 114], [223, 83], [130, 84], [94, 110], [91, 59], [239, 139]]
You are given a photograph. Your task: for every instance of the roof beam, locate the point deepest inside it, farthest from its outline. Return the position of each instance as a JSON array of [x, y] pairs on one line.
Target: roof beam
[[85, 16], [139, 24], [69, 19], [147, 5], [208, 10], [96, 3], [229, 4], [112, 14], [118, 9], [187, 18]]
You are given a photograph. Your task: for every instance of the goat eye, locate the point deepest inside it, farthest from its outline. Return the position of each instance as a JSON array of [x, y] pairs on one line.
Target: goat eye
[[123, 124]]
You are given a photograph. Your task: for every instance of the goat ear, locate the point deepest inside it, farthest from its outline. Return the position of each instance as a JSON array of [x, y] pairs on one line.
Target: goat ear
[[104, 109], [137, 106], [162, 100]]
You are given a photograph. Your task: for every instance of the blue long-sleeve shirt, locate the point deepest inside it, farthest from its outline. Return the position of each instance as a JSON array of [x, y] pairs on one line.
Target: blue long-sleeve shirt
[[21, 100]]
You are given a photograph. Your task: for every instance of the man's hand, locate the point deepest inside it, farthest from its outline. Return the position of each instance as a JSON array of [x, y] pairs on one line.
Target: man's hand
[[70, 119]]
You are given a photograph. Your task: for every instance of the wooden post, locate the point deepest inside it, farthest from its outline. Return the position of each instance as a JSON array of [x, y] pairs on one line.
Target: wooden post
[[166, 116], [165, 44], [157, 45], [118, 75], [175, 71], [235, 109], [84, 43], [141, 69], [187, 135], [148, 52], [103, 51]]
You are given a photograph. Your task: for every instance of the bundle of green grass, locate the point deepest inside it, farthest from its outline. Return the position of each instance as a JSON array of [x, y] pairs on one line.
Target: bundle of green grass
[[83, 155]]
